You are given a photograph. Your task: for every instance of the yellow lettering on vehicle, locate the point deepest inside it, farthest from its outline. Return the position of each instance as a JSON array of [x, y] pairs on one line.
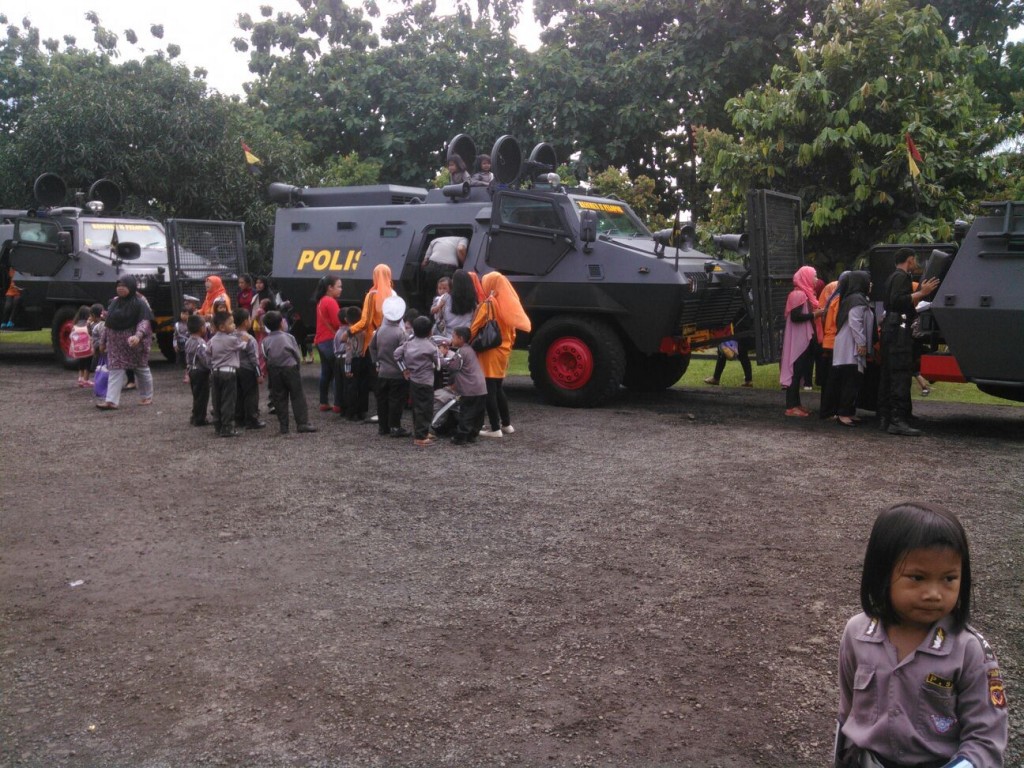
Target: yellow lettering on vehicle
[[122, 227], [326, 260], [606, 207]]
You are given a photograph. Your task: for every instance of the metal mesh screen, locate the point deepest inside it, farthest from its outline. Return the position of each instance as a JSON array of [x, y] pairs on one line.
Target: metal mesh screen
[[776, 252], [198, 249]]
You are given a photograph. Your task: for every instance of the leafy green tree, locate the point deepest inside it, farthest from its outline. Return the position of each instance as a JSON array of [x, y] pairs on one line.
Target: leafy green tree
[[323, 73], [830, 127], [621, 81], [149, 125]]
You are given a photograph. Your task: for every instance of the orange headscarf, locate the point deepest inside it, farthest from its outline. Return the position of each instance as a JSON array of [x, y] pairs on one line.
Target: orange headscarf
[[373, 304], [215, 291], [480, 295], [507, 308]]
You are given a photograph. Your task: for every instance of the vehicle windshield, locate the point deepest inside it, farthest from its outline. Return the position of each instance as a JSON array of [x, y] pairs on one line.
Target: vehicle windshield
[[100, 236], [613, 218]]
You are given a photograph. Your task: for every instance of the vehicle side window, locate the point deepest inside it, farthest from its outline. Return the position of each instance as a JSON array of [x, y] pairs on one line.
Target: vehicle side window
[[30, 231], [529, 212]]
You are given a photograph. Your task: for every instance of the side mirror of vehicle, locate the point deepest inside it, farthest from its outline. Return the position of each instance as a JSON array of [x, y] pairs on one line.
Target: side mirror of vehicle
[[64, 243], [588, 229]]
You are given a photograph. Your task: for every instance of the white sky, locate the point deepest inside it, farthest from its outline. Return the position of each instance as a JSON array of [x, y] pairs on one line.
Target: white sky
[[203, 28]]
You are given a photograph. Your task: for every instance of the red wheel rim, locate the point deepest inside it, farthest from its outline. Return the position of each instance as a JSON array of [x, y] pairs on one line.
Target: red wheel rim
[[64, 337], [570, 362]]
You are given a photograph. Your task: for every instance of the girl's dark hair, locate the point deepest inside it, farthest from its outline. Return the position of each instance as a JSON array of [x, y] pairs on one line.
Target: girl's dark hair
[[897, 531], [83, 313], [321, 288], [247, 278], [463, 294], [96, 310], [460, 164]]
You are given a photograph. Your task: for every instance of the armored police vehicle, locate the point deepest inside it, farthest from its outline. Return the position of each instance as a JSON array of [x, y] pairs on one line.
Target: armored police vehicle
[[972, 328], [611, 303], [67, 256]]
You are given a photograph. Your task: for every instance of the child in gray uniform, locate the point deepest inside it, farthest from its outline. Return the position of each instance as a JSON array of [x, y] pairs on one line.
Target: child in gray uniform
[[469, 383], [918, 686], [392, 389], [418, 361], [283, 358], [225, 348], [197, 368]]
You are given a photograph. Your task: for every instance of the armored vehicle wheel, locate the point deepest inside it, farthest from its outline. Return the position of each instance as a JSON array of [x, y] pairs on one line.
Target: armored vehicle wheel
[[60, 335], [576, 361], [166, 344], [653, 373]]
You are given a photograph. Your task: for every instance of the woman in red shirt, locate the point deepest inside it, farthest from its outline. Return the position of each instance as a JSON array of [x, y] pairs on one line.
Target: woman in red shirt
[[327, 323]]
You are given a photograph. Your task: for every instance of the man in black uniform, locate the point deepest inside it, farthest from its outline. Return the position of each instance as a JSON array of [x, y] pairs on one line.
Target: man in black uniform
[[900, 300]]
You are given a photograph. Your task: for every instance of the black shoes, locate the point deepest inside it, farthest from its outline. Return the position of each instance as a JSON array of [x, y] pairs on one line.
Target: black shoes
[[229, 433], [400, 432], [305, 428], [255, 424], [897, 427]]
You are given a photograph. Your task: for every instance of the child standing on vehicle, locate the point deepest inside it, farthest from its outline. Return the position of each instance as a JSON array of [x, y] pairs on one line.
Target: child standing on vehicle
[[283, 356], [197, 368], [80, 345], [469, 383], [918, 685], [418, 360]]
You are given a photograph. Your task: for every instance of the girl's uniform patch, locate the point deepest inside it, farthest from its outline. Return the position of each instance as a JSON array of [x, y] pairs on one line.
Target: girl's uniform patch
[[942, 723], [996, 691]]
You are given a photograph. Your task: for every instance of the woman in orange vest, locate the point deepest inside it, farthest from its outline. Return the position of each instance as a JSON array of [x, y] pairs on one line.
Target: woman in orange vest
[[501, 302]]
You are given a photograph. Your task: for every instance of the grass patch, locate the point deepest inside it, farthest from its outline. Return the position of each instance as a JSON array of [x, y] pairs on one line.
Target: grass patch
[[25, 337], [765, 376]]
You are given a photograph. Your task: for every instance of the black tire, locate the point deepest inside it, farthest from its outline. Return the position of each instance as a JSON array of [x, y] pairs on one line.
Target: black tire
[[60, 336], [577, 361], [166, 343], [654, 373]]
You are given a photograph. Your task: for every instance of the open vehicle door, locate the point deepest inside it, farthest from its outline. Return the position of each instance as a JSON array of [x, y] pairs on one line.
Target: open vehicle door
[[39, 247], [529, 234], [198, 249], [776, 253]]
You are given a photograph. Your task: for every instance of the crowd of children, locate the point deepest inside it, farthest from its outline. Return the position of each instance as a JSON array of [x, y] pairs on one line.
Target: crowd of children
[[406, 361]]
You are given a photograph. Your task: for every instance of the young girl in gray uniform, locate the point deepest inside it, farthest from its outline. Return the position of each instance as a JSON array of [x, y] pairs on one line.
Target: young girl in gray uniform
[[917, 685]]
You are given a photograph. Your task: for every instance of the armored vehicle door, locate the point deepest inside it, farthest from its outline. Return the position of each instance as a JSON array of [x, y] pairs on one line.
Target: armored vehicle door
[[198, 249], [776, 253], [529, 234], [38, 247]]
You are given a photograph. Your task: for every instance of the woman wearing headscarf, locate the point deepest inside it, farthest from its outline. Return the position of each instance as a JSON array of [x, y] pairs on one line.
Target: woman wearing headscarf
[[502, 303], [802, 313], [373, 305], [829, 300], [855, 324], [126, 339], [214, 292], [372, 317]]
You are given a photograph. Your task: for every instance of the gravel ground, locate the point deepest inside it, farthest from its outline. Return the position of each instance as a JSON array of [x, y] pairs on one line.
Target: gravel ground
[[659, 582]]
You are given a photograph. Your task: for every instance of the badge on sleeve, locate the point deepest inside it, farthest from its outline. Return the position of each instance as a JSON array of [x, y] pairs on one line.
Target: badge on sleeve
[[996, 692]]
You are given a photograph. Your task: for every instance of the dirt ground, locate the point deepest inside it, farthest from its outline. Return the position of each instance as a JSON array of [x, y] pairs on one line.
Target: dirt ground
[[660, 582]]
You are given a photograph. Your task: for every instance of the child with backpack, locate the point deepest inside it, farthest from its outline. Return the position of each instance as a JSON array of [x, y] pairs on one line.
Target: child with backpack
[[80, 345]]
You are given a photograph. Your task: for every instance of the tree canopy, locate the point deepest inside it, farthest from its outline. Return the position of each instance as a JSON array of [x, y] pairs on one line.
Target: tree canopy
[[690, 100]]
